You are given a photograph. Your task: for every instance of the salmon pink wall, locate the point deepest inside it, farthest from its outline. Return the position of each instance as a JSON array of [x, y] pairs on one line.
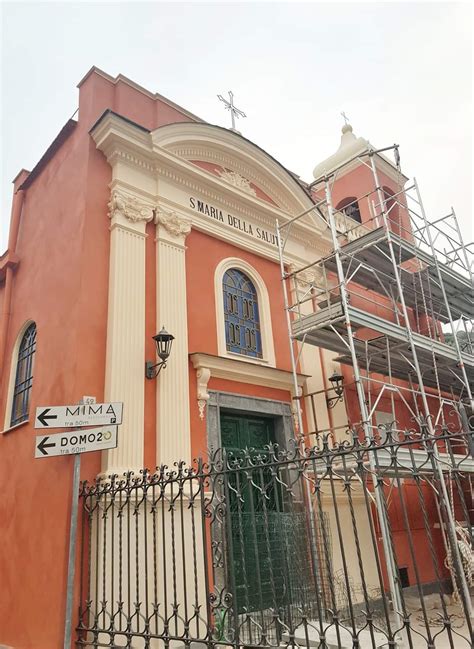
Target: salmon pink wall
[[98, 94], [203, 255], [61, 284], [360, 181]]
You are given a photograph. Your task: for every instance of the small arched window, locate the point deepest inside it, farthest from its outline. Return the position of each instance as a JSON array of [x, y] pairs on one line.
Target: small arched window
[[241, 316], [350, 207], [23, 376]]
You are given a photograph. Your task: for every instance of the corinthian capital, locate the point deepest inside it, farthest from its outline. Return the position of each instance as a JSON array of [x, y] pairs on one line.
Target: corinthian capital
[[129, 207], [174, 223]]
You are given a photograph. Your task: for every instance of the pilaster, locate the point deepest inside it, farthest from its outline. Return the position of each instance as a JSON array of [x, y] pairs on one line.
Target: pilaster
[[172, 426], [124, 375]]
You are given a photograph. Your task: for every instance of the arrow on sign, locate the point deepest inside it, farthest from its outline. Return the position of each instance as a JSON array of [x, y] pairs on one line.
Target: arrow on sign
[[43, 416], [42, 446]]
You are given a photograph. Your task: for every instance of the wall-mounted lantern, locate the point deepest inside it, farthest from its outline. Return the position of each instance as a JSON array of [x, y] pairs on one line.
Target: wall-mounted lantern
[[163, 342], [337, 384]]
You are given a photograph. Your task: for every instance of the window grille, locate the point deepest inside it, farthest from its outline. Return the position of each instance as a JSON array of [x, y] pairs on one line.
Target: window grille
[[24, 376], [241, 315]]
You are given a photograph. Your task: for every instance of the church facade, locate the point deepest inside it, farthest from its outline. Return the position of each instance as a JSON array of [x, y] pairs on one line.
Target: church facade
[[140, 216]]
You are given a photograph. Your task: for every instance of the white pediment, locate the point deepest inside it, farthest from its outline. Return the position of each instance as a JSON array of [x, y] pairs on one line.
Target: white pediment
[[236, 161], [222, 196]]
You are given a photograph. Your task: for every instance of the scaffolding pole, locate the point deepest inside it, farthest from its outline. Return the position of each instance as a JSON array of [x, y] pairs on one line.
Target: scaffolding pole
[[465, 597], [388, 550], [445, 297], [397, 258]]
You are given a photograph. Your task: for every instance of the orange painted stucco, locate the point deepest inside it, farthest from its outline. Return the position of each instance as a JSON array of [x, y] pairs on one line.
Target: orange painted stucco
[[203, 255], [61, 283]]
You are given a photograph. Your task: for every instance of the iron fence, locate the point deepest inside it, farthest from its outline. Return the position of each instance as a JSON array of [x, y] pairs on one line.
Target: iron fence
[[282, 547]]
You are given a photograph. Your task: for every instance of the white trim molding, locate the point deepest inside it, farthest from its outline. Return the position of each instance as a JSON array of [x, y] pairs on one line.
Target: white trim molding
[[11, 381], [208, 366], [266, 331], [236, 370], [144, 161]]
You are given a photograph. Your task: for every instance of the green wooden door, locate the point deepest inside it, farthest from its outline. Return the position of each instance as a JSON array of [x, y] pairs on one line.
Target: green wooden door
[[257, 571]]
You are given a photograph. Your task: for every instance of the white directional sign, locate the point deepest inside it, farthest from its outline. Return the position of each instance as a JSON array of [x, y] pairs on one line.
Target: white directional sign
[[90, 414], [76, 441]]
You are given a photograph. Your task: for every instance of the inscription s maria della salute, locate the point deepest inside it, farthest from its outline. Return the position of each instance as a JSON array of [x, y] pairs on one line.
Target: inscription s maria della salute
[[233, 221]]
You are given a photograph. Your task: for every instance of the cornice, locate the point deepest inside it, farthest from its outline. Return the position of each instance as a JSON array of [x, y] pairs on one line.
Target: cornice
[[382, 164], [130, 157], [202, 184], [235, 370], [113, 129], [8, 260], [121, 140], [215, 229]]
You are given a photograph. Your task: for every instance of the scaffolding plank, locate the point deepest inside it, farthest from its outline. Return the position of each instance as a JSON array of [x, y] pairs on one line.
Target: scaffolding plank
[[332, 313], [372, 250]]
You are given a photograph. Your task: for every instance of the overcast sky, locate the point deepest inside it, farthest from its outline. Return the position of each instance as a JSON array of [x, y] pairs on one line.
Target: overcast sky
[[402, 72]]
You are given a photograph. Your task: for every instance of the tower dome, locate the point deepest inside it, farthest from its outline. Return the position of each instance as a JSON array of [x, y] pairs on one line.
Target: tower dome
[[349, 147]]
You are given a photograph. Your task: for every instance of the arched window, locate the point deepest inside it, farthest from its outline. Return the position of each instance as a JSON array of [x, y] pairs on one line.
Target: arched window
[[241, 316], [350, 207], [24, 376]]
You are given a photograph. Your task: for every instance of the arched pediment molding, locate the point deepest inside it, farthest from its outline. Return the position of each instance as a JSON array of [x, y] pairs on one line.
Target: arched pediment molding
[[161, 167], [229, 150]]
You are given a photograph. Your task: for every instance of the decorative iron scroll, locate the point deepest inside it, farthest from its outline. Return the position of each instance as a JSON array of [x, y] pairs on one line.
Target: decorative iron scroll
[[230, 552]]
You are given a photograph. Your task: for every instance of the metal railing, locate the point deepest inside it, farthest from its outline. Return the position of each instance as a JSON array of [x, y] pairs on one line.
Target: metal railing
[[228, 552]]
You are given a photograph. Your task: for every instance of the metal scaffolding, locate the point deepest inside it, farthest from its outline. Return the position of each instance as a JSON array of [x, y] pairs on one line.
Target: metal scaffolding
[[394, 299]]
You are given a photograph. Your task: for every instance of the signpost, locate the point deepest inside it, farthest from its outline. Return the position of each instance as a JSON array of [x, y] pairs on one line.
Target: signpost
[[78, 415], [71, 442], [75, 442]]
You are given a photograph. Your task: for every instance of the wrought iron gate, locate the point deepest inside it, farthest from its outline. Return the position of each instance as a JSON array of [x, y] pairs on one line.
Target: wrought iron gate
[[283, 548]]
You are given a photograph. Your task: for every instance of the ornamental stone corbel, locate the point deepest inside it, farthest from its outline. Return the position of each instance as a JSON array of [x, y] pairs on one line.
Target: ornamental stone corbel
[[202, 376], [128, 207], [175, 224]]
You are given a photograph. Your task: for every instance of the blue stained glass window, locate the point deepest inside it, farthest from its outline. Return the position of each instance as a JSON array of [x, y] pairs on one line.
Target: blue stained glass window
[[242, 321], [24, 376]]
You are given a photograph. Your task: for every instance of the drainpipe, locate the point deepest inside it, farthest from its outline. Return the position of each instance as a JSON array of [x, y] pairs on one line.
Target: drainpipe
[[17, 205]]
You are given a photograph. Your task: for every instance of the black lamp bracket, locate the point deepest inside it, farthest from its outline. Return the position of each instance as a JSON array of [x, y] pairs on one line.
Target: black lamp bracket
[[153, 369], [333, 400]]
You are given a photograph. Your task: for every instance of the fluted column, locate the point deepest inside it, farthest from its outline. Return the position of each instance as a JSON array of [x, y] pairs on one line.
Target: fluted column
[[172, 427], [125, 373]]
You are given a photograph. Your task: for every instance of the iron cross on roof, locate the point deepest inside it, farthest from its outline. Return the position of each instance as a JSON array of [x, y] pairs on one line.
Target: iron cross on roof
[[234, 112], [346, 120]]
